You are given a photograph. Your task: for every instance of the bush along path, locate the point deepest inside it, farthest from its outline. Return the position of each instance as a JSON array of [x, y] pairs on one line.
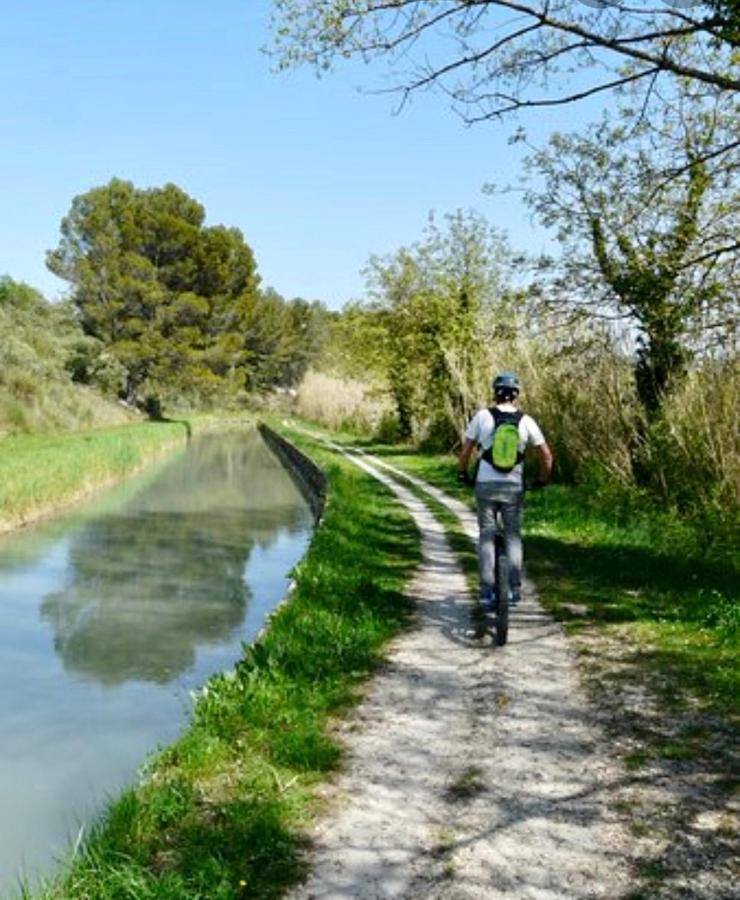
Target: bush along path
[[473, 771]]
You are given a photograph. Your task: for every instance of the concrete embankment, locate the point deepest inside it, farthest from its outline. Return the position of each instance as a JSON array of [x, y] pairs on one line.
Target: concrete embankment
[[308, 476]]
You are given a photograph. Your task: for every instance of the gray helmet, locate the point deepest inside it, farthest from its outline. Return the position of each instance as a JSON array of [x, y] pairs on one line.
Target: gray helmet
[[505, 382]]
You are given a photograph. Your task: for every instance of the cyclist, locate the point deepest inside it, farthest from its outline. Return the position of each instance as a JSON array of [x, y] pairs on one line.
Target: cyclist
[[502, 487]]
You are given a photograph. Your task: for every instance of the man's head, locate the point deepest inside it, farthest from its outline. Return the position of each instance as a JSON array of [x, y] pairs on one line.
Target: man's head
[[506, 387]]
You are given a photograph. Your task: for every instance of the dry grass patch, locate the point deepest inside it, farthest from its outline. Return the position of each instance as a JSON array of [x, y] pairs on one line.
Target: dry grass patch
[[342, 403]]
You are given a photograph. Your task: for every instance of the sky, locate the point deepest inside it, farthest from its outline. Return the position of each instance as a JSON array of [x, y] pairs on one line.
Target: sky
[[317, 173]]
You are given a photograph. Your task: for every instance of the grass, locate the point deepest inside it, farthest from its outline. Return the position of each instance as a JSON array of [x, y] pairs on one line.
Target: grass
[[466, 785], [677, 617], [221, 813], [339, 402], [43, 472]]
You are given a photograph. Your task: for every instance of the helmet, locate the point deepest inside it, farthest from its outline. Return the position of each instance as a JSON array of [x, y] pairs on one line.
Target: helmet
[[506, 382]]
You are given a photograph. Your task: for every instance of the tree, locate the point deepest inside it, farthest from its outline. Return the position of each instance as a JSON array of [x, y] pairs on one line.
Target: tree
[[168, 297], [310, 322], [38, 340], [648, 219], [282, 339], [495, 56], [430, 300]]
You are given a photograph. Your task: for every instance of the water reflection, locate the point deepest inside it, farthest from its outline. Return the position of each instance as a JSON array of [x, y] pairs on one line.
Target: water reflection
[[145, 591], [151, 584], [108, 617]]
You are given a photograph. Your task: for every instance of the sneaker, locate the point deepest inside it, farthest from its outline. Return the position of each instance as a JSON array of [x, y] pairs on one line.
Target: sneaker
[[514, 598]]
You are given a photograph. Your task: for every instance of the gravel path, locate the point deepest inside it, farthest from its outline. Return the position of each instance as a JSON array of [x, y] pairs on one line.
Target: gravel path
[[472, 771]]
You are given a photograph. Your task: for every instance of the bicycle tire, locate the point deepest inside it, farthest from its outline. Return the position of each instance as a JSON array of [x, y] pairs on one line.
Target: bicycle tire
[[502, 594]]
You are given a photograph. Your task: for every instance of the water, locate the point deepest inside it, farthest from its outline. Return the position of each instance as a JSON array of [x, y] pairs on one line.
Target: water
[[109, 617]]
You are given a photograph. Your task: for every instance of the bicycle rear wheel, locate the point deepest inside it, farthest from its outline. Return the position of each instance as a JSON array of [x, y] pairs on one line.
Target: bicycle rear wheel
[[502, 593]]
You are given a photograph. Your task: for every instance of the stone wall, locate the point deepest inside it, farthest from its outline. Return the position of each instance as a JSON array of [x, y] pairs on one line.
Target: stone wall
[[306, 474]]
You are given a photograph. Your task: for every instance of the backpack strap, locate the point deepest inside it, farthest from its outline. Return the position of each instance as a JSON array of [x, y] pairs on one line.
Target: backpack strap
[[499, 416]]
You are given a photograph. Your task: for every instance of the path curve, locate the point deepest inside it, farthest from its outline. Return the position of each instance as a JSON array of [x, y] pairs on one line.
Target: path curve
[[472, 771]]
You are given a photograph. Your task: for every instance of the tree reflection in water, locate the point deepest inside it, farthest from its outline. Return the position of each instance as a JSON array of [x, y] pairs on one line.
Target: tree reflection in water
[[152, 583]]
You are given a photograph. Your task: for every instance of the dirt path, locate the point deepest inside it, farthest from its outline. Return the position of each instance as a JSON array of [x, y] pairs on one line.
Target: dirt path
[[473, 771]]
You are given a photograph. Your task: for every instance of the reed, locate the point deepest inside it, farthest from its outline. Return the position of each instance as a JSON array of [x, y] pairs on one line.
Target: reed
[[684, 462], [341, 403]]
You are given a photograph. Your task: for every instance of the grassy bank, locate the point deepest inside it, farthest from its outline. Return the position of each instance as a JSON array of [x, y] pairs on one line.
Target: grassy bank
[[221, 813], [44, 472]]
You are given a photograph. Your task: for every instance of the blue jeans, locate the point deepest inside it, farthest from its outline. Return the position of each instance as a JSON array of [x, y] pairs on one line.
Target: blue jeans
[[489, 498]]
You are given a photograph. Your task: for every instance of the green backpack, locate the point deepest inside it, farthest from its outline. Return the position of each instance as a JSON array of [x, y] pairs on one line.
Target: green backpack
[[503, 454]]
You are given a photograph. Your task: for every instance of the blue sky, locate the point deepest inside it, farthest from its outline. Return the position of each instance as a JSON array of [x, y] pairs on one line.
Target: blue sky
[[316, 174]]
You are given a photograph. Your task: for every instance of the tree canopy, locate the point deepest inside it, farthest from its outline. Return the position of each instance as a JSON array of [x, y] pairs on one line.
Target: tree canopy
[[494, 56], [168, 297], [648, 219], [431, 305]]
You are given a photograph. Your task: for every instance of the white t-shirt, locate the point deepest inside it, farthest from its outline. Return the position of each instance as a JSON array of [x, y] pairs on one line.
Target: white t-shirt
[[480, 429]]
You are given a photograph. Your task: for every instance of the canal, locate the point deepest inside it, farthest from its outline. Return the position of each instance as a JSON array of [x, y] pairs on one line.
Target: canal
[[111, 615]]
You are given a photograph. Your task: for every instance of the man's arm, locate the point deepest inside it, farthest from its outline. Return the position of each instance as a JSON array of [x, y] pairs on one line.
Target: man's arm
[[545, 459], [464, 457]]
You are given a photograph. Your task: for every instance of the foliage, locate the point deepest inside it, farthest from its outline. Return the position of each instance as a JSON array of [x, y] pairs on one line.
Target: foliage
[[282, 339], [420, 330], [37, 337], [691, 455], [494, 56], [578, 382], [220, 813], [648, 219], [40, 348], [168, 297]]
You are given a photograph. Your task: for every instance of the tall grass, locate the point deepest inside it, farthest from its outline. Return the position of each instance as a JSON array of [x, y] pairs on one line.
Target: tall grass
[[39, 473], [48, 406], [341, 403], [221, 813], [683, 465]]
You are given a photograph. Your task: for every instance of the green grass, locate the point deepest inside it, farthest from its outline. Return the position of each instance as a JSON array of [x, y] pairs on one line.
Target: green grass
[[42, 472], [677, 617], [222, 812]]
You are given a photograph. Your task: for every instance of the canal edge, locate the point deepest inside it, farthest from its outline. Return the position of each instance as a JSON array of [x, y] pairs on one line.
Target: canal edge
[[312, 483]]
